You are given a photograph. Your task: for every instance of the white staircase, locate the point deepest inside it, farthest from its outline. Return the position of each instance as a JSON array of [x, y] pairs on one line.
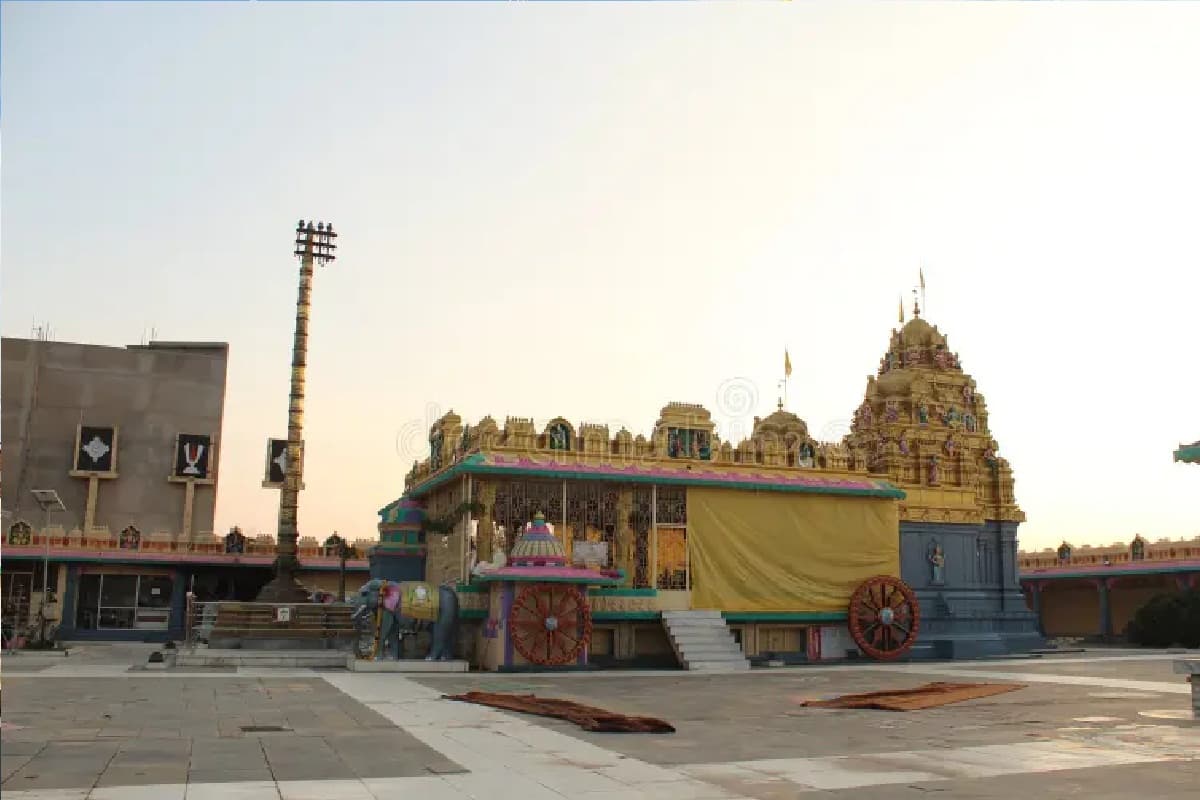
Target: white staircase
[[703, 642]]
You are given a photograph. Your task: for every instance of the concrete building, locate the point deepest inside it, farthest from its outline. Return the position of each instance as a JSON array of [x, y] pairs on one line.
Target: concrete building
[[130, 439], [1093, 592], [147, 395]]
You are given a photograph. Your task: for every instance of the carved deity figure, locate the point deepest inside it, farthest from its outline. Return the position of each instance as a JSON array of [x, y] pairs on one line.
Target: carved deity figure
[[903, 442], [968, 394], [892, 360], [989, 456], [970, 423], [950, 447], [868, 416], [806, 455], [892, 413], [952, 416], [937, 561], [940, 359], [933, 470], [923, 414], [911, 356], [559, 437]]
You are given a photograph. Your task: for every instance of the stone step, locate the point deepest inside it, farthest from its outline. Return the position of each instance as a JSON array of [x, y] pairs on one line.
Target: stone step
[[674, 615], [741, 665], [703, 642], [697, 624], [685, 641], [294, 659], [708, 647]]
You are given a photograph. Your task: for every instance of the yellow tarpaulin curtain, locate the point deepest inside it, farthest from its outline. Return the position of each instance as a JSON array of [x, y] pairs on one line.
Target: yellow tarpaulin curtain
[[771, 551]]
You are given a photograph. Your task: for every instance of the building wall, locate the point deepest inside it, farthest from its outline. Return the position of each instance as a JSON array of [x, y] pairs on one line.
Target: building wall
[[977, 608], [151, 392], [1071, 608], [1129, 595]]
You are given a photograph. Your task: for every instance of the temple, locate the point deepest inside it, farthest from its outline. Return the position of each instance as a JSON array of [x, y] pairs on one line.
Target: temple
[[775, 535]]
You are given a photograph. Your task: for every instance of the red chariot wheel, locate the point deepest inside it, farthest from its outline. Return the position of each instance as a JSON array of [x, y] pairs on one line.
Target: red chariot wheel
[[884, 617], [550, 623]]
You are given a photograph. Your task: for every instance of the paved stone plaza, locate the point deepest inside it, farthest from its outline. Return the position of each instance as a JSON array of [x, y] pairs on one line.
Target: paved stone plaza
[[100, 724]]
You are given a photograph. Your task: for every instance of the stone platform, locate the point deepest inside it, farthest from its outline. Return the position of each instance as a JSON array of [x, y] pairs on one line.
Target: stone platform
[[409, 666], [294, 659], [1191, 668]]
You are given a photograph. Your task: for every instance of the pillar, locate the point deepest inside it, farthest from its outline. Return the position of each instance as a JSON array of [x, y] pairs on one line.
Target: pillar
[[1105, 608], [1035, 599], [624, 549], [486, 531]]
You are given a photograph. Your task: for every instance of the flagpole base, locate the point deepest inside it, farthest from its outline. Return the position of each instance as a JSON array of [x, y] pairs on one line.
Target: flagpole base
[[283, 591]]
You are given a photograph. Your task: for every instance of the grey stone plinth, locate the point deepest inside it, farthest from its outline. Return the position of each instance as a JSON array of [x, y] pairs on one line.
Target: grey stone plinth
[[294, 659], [408, 665], [271, 644], [1191, 668], [1187, 666]]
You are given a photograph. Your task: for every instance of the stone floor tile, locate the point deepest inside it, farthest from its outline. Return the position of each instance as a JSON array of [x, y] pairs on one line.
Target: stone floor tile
[[46, 794], [240, 790], [420, 788], [9, 765], [155, 791], [142, 774], [486, 786], [324, 790], [226, 775], [27, 778], [20, 748]]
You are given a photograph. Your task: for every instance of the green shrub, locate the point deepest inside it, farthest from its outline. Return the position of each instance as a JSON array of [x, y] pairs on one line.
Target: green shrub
[[1168, 620]]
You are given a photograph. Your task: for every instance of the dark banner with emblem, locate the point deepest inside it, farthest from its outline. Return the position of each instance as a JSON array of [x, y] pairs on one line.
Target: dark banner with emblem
[[276, 470], [193, 455], [97, 449]]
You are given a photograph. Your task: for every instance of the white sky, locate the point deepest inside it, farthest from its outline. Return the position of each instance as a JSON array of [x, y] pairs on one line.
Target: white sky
[[592, 210]]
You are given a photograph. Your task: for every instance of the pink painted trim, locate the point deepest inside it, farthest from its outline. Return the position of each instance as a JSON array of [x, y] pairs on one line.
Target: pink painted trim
[[167, 557], [1097, 570], [693, 474], [560, 573]]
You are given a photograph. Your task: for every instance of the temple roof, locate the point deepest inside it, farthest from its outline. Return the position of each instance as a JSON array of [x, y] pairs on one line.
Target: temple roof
[[780, 421], [747, 476], [1188, 453], [538, 556], [920, 333]]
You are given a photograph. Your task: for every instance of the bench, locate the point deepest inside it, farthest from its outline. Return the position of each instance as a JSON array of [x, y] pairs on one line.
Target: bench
[[1191, 668]]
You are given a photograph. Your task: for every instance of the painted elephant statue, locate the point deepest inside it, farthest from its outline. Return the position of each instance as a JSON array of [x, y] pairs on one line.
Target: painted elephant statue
[[402, 607]]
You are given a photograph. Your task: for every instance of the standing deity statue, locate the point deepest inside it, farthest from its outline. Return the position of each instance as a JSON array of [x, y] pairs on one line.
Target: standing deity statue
[[937, 561], [923, 414], [933, 470]]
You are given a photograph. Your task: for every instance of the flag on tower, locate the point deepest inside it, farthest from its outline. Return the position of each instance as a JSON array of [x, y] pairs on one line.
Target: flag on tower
[[921, 272], [787, 364]]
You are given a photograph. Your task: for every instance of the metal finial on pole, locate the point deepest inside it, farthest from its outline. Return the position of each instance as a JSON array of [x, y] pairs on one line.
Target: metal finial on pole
[[921, 274], [314, 245]]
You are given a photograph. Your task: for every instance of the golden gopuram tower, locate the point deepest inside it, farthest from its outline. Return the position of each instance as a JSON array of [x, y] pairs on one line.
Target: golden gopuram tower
[[924, 426]]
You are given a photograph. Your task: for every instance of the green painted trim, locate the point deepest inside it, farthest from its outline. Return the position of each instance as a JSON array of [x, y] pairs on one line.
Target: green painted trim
[[1189, 454], [626, 616], [473, 465], [472, 613], [622, 592], [784, 616], [469, 588], [1100, 571], [538, 579]]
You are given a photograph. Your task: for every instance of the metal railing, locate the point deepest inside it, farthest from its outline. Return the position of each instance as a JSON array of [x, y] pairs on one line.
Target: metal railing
[[318, 621]]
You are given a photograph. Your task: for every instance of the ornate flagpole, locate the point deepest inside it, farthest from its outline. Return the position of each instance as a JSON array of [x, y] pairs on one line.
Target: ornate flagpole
[[314, 244]]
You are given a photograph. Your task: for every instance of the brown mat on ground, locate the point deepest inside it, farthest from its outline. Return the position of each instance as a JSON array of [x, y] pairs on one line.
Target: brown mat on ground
[[930, 695], [589, 718]]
